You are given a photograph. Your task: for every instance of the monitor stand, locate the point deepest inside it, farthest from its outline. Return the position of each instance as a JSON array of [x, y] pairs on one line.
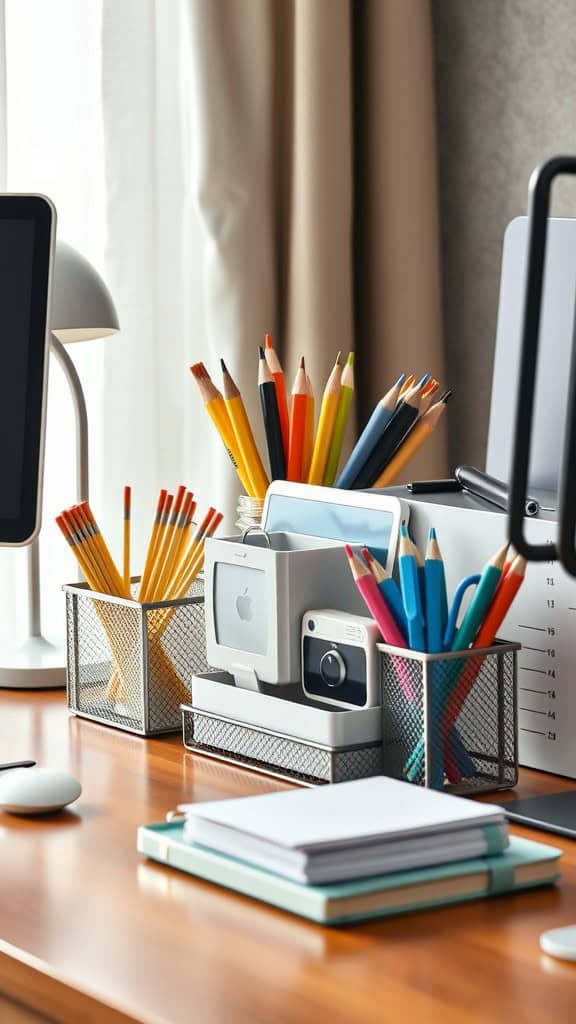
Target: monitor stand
[[35, 662]]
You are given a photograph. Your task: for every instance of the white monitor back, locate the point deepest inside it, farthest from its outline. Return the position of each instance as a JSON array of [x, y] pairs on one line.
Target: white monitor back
[[556, 333]]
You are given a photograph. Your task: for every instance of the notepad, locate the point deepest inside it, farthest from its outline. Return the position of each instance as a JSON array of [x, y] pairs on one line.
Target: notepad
[[524, 865], [350, 830]]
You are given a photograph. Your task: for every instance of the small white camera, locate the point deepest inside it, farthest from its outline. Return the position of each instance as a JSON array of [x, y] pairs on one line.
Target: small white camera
[[340, 659]]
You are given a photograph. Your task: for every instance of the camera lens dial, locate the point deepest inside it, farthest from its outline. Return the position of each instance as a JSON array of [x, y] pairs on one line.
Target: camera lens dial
[[333, 668]]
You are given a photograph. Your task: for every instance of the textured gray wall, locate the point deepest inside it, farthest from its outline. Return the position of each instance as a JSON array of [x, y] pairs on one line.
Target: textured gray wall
[[506, 100]]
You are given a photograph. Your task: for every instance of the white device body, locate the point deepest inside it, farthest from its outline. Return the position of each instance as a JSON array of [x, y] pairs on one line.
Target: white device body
[[343, 632], [256, 596]]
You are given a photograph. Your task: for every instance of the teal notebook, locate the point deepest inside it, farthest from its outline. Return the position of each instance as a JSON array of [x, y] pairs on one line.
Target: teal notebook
[[524, 865]]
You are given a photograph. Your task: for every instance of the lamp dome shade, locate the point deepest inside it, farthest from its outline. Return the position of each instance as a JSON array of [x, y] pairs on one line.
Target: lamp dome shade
[[82, 307]]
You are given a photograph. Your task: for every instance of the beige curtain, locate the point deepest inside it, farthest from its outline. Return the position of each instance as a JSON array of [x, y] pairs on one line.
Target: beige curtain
[[314, 133]]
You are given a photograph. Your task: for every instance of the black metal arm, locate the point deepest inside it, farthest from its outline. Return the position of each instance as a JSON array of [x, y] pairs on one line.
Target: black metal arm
[[539, 190]]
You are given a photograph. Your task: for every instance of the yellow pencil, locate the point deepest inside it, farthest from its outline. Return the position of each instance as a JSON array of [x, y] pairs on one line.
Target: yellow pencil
[[178, 523], [243, 434], [147, 586], [153, 541], [422, 430], [344, 403], [197, 563], [126, 537], [328, 411], [216, 409]]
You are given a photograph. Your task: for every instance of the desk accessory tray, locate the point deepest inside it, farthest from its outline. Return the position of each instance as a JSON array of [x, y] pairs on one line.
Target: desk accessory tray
[[450, 719], [287, 738], [128, 663]]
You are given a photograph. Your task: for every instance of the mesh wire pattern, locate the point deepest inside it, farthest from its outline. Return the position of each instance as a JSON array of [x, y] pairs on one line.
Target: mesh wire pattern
[[130, 665], [451, 722], [276, 753]]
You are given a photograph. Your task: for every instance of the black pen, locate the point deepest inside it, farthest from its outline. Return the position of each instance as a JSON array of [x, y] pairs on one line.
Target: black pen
[[488, 487]]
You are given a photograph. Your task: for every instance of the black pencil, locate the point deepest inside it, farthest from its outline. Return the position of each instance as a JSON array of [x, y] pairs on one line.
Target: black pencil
[[403, 419], [271, 417]]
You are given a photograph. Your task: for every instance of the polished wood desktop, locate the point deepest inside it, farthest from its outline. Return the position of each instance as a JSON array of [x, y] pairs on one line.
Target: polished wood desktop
[[91, 931]]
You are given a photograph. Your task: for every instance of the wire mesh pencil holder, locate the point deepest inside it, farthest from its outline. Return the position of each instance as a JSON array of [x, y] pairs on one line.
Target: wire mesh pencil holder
[[450, 720], [129, 664]]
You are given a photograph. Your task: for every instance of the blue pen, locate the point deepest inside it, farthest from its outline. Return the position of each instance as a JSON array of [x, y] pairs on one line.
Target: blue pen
[[389, 589], [411, 596], [371, 434], [436, 600]]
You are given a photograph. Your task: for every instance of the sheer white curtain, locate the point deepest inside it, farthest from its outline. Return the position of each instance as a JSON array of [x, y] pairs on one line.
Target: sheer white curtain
[[97, 115]]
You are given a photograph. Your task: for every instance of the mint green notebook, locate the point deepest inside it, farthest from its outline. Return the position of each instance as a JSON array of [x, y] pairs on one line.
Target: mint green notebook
[[524, 865]]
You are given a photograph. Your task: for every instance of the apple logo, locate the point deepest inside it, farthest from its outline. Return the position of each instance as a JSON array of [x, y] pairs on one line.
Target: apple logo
[[244, 606]]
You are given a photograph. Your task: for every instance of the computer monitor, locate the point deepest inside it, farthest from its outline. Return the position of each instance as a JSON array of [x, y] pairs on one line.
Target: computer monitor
[[27, 235]]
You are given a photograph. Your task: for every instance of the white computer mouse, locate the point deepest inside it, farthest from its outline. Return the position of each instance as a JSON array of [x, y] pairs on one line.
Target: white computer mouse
[[36, 790], [560, 942]]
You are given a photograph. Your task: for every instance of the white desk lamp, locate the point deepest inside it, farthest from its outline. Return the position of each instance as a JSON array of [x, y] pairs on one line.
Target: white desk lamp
[[82, 309]]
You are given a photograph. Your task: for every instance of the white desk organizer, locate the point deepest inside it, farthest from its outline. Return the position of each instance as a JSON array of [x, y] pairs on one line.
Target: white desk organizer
[[281, 733], [259, 587]]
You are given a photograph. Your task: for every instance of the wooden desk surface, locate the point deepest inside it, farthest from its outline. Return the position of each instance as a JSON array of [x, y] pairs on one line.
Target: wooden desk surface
[[90, 931]]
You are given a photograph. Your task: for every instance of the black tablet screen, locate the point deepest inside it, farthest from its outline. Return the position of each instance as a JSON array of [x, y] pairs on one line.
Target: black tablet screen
[[25, 253]]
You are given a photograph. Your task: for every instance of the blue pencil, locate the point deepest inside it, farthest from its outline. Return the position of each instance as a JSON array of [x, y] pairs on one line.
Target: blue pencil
[[411, 595], [436, 600], [389, 589], [371, 434]]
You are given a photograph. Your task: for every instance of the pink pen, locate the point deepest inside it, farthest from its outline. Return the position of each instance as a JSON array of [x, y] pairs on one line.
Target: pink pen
[[380, 612]]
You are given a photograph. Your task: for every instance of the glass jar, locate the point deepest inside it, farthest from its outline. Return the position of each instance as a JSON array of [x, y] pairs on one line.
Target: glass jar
[[249, 512]]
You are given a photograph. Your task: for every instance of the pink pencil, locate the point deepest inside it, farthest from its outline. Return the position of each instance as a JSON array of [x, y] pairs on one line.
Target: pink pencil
[[380, 612]]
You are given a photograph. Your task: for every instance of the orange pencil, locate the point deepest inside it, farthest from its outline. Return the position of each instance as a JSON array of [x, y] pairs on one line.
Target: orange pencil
[[309, 430], [298, 419], [277, 372]]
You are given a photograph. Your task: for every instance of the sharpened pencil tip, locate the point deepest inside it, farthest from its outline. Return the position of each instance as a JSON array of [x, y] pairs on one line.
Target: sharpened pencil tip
[[432, 534], [350, 360], [223, 366], [424, 380], [348, 551], [268, 342], [400, 380], [403, 530], [446, 397], [302, 363], [261, 353], [339, 359]]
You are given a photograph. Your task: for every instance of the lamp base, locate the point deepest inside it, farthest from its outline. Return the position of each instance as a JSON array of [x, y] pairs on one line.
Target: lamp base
[[34, 664]]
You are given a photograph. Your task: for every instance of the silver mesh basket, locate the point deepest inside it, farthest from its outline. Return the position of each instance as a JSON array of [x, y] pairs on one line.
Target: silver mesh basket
[[130, 664], [450, 720], [276, 753]]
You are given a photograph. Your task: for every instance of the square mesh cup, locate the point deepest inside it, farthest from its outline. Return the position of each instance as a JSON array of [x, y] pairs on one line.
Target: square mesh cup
[[130, 664], [450, 720], [276, 753]]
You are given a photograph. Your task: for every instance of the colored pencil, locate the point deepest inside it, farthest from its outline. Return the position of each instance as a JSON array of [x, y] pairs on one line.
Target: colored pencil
[[371, 435], [280, 384], [436, 598], [271, 418], [126, 536], [342, 414], [298, 416], [480, 603], [411, 592], [415, 439], [381, 614], [389, 589], [309, 432], [243, 434], [326, 422], [216, 409], [404, 417], [408, 383]]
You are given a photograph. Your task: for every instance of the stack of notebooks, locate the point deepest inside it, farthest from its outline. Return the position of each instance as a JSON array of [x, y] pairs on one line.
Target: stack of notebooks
[[345, 853]]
